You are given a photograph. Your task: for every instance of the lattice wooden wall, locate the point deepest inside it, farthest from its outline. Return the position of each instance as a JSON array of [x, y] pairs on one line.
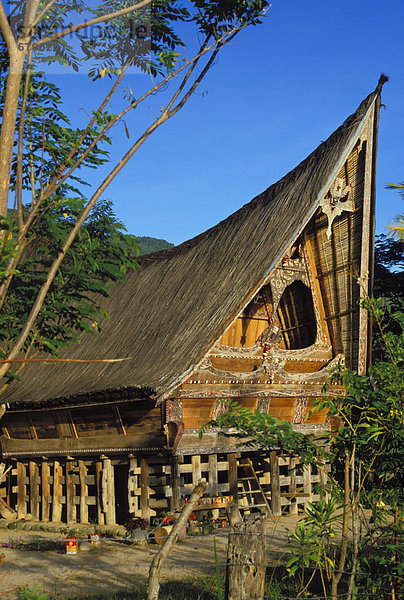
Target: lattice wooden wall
[[82, 491]]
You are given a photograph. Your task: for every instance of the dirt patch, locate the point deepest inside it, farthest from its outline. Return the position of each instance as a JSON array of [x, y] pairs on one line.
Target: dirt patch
[[114, 566]]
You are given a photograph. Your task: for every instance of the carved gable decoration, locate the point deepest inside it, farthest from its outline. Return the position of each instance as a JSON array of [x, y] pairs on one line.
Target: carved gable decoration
[[338, 199]]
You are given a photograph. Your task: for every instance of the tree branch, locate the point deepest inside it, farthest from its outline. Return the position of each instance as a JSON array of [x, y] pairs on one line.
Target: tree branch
[[95, 21], [53, 185], [42, 14], [6, 31], [113, 173], [154, 572]]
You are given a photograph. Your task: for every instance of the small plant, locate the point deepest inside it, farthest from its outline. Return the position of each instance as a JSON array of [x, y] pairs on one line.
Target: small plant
[[34, 593], [135, 523]]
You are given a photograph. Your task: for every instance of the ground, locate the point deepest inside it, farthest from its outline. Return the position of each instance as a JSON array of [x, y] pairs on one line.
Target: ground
[[114, 566]]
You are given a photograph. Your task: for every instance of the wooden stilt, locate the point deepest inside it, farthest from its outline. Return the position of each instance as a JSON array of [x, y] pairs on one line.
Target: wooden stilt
[[196, 470], [212, 489], [57, 492], [45, 491], [144, 489], [275, 484], [71, 512], [34, 490], [292, 487], [174, 483], [98, 481], [21, 491], [132, 485], [108, 491], [83, 492], [307, 479], [234, 512]]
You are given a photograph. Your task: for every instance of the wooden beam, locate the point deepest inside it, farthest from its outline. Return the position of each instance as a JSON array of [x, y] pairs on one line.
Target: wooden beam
[[71, 512], [174, 483], [57, 492], [21, 491], [98, 481], [45, 490], [292, 486], [275, 484], [234, 512], [196, 469], [83, 492], [108, 491], [144, 489], [34, 490], [307, 479], [118, 421], [212, 474]]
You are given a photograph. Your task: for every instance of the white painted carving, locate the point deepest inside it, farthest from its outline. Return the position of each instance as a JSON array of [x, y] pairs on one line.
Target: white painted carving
[[338, 200]]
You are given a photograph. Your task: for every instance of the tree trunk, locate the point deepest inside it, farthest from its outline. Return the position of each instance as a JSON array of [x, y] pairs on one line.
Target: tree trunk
[[344, 545], [246, 560], [154, 573], [8, 126]]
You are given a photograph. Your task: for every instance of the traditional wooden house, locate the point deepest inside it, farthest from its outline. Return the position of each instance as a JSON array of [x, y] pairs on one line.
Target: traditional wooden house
[[259, 309]]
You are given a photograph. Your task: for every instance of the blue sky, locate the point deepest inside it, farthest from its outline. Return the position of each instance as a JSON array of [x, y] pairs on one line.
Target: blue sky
[[273, 96]]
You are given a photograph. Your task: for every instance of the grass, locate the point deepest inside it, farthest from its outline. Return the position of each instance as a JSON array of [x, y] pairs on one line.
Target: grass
[[192, 588]]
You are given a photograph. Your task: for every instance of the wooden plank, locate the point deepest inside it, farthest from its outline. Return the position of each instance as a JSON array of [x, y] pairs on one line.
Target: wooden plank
[[93, 444], [34, 490], [175, 483], [83, 492], [57, 492], [71, 512], [212, 488], [108, 491], [45, 490], [275, 484], [21, 491], [98, 477], [144, 486], [196, 470]]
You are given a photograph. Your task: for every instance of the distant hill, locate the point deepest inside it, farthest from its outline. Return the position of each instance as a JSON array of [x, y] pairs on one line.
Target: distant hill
[[149, 244]]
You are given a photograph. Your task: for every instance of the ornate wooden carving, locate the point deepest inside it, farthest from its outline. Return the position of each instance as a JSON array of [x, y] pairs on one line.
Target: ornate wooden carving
[[263, 404], [174, 410], [338, 200], [300, 410]]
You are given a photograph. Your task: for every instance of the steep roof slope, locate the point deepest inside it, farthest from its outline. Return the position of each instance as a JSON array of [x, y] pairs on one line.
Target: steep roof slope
[[167, 314]]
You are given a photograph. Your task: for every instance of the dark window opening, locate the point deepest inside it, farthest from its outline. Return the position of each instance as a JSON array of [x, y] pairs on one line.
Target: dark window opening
[[296, 317]]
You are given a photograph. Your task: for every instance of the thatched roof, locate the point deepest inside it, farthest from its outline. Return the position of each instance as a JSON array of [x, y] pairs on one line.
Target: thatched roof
[[167, 314]]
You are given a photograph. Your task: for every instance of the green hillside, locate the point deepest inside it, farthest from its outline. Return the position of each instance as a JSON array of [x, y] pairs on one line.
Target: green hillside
[[149, 244]]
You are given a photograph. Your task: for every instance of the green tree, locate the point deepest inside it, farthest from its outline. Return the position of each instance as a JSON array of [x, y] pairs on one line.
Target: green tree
[[396, 228], [46, 163]]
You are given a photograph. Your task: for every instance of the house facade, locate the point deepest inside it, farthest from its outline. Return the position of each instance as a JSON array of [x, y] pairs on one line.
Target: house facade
[[258, 309]]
